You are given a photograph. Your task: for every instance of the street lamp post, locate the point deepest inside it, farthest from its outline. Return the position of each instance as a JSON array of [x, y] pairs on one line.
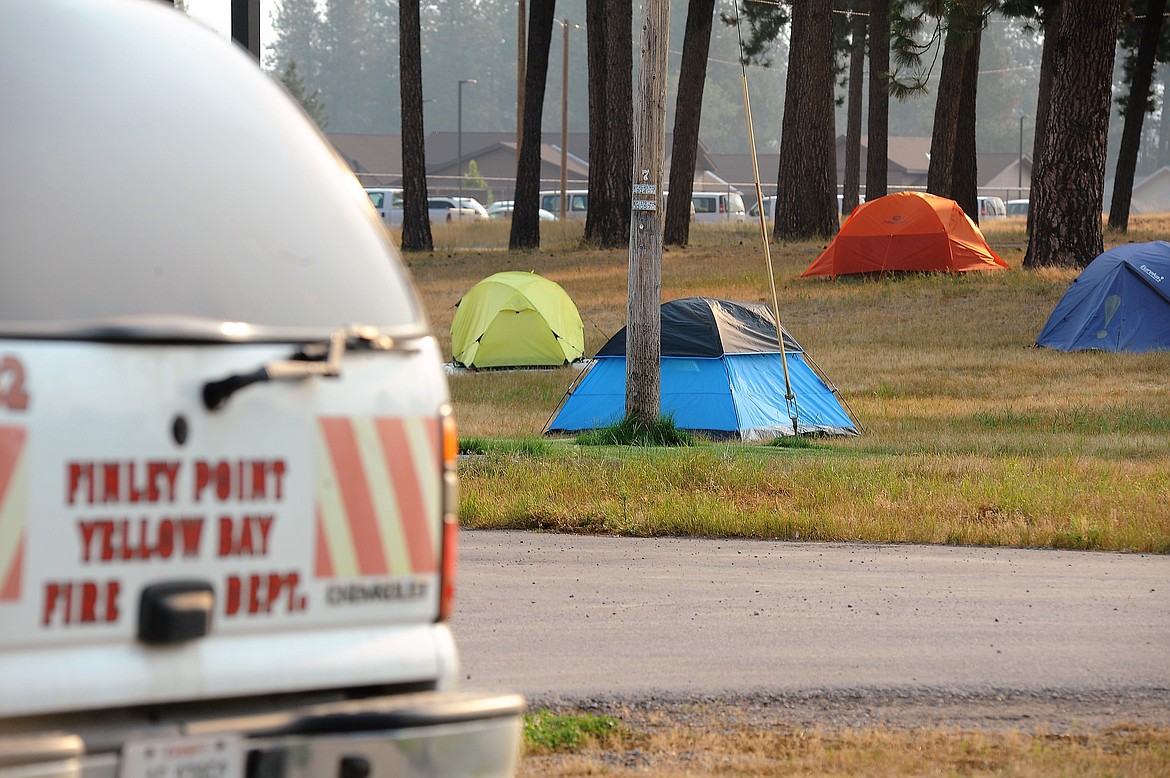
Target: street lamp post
[[565, 124], [459, 142], [1020, 162], [521, 65]]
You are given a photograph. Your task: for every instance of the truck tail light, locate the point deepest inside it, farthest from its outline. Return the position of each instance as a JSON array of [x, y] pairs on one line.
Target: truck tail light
[[450, 534]]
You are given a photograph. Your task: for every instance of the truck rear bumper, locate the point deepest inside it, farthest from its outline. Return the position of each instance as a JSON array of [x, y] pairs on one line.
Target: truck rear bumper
[[425, 734]]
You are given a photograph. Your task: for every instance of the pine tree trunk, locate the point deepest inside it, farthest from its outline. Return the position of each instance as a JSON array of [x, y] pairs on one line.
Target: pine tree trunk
[[1135, 113], [952, 171], [850, 197], [965, 179], [692, 79], [416, 222], [806, 199], [1163, 157], [525, 232], [940, 177], [1069, 179], [1051, 27], [611, 121], [878, 131]]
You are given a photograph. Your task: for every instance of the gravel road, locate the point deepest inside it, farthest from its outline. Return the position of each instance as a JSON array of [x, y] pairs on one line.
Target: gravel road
[[841, 634]]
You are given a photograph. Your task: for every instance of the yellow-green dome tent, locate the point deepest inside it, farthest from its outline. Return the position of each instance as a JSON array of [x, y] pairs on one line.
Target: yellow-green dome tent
[[516, 319]]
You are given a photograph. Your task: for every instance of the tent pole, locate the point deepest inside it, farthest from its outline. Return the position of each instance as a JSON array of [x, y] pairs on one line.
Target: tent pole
[[789, 395]]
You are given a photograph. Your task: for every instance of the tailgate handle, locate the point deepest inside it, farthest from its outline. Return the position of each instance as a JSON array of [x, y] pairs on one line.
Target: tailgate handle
[[325, 360], [216, 393], [175, 611]]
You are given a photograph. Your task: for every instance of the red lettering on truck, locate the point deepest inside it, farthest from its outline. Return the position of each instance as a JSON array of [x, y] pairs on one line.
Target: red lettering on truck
[[124, 540], [12, 393], [69, 603], [102, 483], [245, 535], [240, 480], [262, 592]]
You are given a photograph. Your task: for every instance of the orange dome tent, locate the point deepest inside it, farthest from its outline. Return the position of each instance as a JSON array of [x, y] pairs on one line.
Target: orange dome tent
[[906, 232]]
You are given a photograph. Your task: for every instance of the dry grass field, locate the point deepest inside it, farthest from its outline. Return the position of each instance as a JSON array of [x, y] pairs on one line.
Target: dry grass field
[[971, 435], [720, 742]]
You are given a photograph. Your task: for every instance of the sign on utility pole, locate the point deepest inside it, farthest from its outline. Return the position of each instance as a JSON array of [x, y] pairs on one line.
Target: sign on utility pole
[[643, 319]]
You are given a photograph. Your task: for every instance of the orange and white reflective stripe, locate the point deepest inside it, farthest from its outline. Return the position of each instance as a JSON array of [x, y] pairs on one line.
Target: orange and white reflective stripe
[[378, 493], [13, 506]]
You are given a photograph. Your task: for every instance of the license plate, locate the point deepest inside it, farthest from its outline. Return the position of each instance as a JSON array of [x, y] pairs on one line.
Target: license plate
[[211, 756]]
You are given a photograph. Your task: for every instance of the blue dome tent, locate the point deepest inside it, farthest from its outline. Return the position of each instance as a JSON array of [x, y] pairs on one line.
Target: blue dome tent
[[1120, 302], [722, 376]]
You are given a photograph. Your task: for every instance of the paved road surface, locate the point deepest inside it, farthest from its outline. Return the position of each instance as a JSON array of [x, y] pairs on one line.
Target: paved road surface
[[571, 617]]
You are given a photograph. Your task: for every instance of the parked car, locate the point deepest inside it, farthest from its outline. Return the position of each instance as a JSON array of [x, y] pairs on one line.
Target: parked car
[[502, 209], [578, 202], [991, 208], [770, 209], [388, 204], [1017, 207], [770, 204], [719, 207], [228, 484], [445, 210]]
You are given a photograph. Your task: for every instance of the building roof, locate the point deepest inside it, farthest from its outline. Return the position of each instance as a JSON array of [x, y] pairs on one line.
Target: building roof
[[736, 169], [377, 159], [908, 157], [910, 154], [1150, 195], [1004, 169]]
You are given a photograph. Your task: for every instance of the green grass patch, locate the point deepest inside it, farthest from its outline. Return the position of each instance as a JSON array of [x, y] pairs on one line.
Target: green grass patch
[[636, 432], [548, 731], [525, 447], [826, 493]]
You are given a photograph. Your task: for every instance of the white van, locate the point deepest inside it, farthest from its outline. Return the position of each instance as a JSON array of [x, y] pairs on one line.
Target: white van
[[578, 202], [992, 208], [719, 207], [228, 492], [388, 203]]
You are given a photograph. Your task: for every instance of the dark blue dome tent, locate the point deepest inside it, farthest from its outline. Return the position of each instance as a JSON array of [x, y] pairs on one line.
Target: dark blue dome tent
[[722, 376], [1120, 302]]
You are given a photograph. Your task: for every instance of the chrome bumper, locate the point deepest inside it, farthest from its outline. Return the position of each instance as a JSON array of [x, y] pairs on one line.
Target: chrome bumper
[[420, 735]]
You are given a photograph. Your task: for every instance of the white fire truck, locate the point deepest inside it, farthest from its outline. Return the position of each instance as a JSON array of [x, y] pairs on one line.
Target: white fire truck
[[227, 462]]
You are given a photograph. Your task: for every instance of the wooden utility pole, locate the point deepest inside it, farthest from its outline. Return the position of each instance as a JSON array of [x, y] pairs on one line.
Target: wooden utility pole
[[644, 320]]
